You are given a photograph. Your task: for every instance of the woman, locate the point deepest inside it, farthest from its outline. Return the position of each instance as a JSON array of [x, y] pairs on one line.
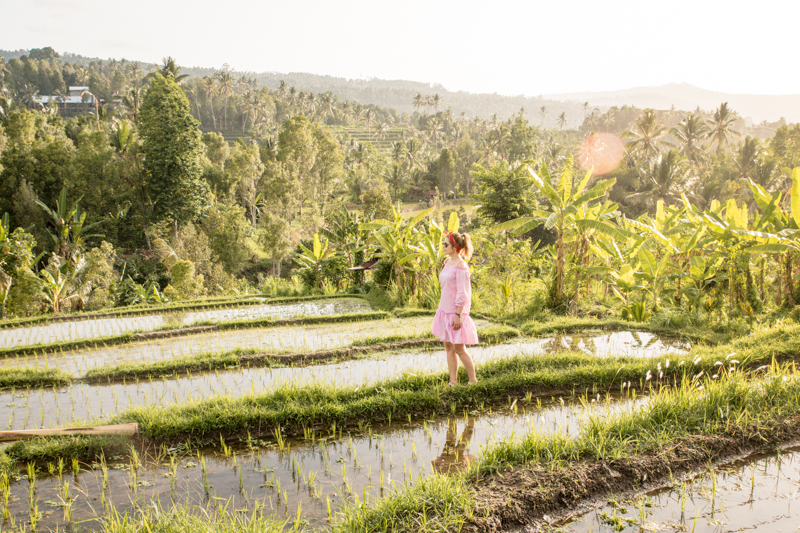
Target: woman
[[452, 323]]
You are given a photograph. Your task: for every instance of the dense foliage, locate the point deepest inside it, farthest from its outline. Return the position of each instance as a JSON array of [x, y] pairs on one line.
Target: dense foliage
[[176, 186]]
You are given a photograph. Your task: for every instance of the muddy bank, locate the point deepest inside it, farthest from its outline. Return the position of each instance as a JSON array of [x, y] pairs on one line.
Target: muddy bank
[[531, 498]]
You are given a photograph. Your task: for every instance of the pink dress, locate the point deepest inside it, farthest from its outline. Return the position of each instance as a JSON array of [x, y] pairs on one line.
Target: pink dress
[[456, 292]]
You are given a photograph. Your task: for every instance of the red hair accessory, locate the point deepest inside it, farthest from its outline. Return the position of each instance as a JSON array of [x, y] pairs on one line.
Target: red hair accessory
[[453, 242]]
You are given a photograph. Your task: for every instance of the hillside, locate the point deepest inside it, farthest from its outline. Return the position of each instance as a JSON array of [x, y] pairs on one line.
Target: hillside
[[684, 96], [399, 94]]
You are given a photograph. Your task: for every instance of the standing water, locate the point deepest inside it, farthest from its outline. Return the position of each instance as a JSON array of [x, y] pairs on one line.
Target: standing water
[[106, 327], [284, 475], [758, 493]]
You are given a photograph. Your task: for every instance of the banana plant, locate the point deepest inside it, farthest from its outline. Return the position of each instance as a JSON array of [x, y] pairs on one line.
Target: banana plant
[[64, 280], [345, 233], [565, 199], [396, 239], [314, 257], [653, 274], [70, 226]]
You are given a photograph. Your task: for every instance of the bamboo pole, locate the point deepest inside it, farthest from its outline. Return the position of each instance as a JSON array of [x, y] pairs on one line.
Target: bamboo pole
[[119, 429]]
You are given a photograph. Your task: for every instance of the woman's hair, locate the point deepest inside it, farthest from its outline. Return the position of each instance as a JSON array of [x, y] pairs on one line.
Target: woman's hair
[[464, 242]]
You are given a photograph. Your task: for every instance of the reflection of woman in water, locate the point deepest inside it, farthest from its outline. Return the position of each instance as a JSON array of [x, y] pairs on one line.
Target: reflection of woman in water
[[452, 323], [454, 456]]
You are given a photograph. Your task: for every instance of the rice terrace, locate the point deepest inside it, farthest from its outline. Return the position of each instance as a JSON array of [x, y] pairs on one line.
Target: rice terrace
[[245, 300]]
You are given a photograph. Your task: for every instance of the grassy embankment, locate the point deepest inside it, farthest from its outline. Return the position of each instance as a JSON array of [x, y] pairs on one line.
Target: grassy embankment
[[237, 358], [223, 302], [174, 331], [697, 421], [680, 428], [297, 409]]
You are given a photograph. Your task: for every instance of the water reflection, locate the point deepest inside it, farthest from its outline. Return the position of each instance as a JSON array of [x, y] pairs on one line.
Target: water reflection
[[58, 407], [761, 492], [455, 455], [294, 339], [106, 327], [369, 462]]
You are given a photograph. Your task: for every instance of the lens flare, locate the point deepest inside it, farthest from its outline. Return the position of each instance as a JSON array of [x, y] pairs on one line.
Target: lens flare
[[601, 150]]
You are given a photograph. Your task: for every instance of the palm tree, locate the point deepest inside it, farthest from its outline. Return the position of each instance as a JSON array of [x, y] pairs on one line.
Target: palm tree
[[562, 120], [132, 99], [722, 126], [646, 136], [429, 102], [170, 69], [690, 132], [664, 178], [225, 88], [543, 113], [585, 109], [418, 101], [282, 89], [251, 108], [210, 87], [328, 105], [746, 157], [436, 101]]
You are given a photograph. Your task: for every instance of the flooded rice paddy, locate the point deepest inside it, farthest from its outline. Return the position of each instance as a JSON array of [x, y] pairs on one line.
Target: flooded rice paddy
[[758, 493], [82, 402], [106, 327], [282, 477], [273, 339], [279, 476]]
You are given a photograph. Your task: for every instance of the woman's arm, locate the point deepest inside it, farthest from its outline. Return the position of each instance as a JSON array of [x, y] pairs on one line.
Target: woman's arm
[[462, 282]]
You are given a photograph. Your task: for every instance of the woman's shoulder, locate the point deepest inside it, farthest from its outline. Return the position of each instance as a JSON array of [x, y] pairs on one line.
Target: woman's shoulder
[[462, 265]]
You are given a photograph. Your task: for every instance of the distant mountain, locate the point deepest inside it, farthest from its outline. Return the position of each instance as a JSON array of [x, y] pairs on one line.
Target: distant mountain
[[399, 94], [687, 97]]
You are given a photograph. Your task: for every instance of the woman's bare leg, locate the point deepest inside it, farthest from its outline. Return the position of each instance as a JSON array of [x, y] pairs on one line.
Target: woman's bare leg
[[466, 360], [452, 362]]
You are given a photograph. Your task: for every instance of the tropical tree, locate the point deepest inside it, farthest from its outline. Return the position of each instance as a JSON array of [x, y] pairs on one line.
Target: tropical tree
[[172, 149], [225, 88], [664, 178], [646, 136], [314, 257], [170, 69], [63, 281], [562, 120], [210, 89], [566, 201], [721, 126], [690, 133], [68, 223]]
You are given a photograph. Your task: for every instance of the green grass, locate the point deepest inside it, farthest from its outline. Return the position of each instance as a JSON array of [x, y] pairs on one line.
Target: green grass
[[707, 407], [194, 520], [409, 312], [178, 330], [24, 377], [294, 407], [194, 363], [49, 450], [184, 305], [565, 324]]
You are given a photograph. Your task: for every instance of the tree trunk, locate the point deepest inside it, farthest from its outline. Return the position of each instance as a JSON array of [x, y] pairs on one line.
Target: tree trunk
[[175, 229], [789, 280], [559, 265]]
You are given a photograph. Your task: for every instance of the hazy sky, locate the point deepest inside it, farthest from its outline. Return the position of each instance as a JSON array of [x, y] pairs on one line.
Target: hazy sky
[[508, 47]]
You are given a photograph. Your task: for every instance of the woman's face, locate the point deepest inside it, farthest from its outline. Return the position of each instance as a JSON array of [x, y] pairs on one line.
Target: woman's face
[[446, 247]]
